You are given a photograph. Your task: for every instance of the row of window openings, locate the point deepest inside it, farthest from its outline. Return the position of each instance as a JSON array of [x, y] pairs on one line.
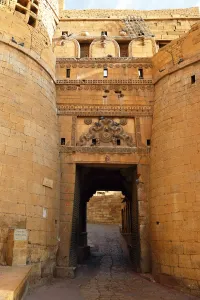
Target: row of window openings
[[23, 10], [140, 74], [105, 73], [94, 142]]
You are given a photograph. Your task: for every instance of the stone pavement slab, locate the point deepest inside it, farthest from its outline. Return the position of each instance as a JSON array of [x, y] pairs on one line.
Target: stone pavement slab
[[107, 275]]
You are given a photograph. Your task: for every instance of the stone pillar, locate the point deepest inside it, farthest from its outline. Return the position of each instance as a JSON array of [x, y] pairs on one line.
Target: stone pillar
[[68, 173], [143, 214]]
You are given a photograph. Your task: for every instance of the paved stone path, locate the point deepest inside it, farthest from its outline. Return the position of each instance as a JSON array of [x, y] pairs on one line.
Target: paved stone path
[[107, 275]]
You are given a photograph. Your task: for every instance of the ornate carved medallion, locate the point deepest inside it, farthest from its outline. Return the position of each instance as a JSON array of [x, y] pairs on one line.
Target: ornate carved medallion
[[88, 121], [106, 131]]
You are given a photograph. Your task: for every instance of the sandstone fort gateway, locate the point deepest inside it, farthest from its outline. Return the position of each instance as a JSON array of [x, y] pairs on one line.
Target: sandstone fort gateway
[[99, 100]]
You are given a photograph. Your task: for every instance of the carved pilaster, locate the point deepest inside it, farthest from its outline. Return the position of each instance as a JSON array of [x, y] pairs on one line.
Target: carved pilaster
[[73, 133], [138, 133]]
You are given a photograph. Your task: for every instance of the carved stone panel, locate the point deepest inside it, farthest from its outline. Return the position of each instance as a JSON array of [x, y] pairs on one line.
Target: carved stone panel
[[107, 132]]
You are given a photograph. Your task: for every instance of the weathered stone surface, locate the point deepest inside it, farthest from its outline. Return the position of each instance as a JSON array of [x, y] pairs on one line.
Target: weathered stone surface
[[62, 77], [105, 208]]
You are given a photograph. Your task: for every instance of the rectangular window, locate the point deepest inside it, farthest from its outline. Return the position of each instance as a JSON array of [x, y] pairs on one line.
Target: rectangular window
[[118, 142], [140, 73], [193, 79], [62, 141], [148, 142], [65, 33], [104, 33], [94, 141], [105, 72], [68, 71], [32, 21]]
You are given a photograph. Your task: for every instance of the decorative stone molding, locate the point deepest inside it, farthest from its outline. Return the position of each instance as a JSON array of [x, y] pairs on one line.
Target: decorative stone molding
[[106, 131], [138, 132], [96, 61], [88, 121], [73, 133], [104, 110], [103, 65], [103, 150], [105, 81], [99, 87], [123, 121], [104, 42]]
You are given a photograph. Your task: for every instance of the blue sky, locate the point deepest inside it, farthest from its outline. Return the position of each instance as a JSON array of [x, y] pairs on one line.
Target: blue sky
[[130, 4]]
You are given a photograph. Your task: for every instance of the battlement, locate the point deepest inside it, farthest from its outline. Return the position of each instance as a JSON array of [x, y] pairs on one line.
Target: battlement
[[192, 12]]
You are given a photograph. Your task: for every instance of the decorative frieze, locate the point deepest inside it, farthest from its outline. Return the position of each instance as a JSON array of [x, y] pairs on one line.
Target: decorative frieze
[[102, 87], [103, 150], [104, 60], [104, 110], [104, 65], [105, 81], [73, 133]]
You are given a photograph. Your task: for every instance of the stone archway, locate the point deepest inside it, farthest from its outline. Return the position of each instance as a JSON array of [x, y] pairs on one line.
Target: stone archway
[[89, 178]]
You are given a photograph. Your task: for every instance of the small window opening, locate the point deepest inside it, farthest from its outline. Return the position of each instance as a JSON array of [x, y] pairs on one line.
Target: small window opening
[[32, 21], [157, 222], [104, 33], [68, 71], [193, 79], [20, 9], [34, 9], [148, 142], [23, 2], [118, 142], [35, 2], [162, 43], [62, 141], [94, 141], [105, 72], [65, 33], [140, 73]]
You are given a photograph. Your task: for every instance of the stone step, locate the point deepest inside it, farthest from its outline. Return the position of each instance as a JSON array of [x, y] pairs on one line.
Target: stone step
[[14, 282]]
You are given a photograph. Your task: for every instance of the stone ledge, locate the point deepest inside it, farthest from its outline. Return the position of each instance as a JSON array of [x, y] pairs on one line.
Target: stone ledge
[[14, 282]]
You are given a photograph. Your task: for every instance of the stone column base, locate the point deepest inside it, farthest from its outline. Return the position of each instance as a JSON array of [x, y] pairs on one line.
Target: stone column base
[[62, 272]]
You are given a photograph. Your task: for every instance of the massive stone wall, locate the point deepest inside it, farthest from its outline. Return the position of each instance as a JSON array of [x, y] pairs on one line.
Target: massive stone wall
[[163, 29], [28, 135], [175, 167], [28, 139], [105, 208]]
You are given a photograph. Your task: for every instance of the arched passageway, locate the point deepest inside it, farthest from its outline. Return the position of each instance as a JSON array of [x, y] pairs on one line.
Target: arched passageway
[[91, 178]]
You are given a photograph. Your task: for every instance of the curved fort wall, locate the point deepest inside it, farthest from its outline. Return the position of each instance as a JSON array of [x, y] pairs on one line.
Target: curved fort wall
[[29, 181], [175, 163]]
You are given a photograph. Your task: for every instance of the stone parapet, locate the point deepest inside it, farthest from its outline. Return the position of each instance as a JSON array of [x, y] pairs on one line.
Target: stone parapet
[[120, 14]]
